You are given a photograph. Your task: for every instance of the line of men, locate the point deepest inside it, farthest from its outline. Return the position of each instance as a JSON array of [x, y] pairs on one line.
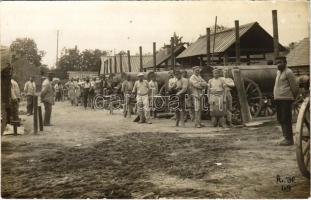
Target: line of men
[[83, 91], [179, 86]]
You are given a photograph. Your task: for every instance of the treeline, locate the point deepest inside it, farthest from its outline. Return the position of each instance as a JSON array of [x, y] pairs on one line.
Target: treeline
[[72, 59]]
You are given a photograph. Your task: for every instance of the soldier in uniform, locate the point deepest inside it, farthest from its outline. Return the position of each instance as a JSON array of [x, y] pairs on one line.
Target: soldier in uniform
[[197, 86], [181, 88], [126, 89], [217, 98], [71, 91], [47, 98], [141, 88], [229, 84]]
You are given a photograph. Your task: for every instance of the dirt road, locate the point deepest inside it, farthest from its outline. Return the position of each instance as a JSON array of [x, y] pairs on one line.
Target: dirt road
[[91, 154]]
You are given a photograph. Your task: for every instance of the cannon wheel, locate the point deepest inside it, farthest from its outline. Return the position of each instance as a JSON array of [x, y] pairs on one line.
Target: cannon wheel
[[302, 138], [254, 99], [268, 107], [297, 104], [163, 90]]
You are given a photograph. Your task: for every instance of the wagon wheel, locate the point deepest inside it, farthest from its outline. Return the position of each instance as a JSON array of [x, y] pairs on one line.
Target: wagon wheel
[[163, 91], [267, 108], [297, 104], [302, 138], [254, 99]]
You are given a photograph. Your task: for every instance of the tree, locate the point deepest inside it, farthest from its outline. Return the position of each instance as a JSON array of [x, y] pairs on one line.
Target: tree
[[70, 60], [91, 59], [122, 52], [219, 28], [73, 60], [27, 48]]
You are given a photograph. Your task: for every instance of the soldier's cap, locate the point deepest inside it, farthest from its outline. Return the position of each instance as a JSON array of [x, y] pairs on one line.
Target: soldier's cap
[[196, 67], [140, 74], [280, 58], [217, 70], [177, 72]]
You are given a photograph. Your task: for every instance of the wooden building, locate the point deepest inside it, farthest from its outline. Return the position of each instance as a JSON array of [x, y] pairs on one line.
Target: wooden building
[[298, 58], [164, 57], [117, 64], [255, 42]]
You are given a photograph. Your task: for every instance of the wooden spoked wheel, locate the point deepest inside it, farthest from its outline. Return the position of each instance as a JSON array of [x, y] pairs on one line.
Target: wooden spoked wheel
[[302, 138], [268, 107], [254, 99]]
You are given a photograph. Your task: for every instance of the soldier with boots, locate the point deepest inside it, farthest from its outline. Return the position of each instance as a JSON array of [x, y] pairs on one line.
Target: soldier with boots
[[285, 91], [197, 86], [182, 88], [217, 98], [141, 88]]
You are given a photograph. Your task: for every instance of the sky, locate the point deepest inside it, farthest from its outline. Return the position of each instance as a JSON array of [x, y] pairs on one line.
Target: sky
[[126, 25]]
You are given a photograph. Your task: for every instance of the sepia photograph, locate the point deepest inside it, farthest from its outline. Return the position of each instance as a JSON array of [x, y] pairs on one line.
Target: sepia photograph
[[155, 99]]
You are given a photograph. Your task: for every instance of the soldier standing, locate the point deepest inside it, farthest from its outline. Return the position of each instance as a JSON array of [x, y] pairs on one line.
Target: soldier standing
[[229, 84], [47, 97], [141, 87], [30, 90], [126, 89], [15, 99], [197, 85], [216, 98], [182, 88], [285, 91]]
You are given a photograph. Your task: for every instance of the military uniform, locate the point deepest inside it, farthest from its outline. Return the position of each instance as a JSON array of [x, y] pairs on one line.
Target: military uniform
[[197, 85]]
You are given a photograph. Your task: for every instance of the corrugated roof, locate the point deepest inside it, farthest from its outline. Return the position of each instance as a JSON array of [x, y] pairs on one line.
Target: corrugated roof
[[299, 55], [223, 40], [135, 63], [163, 55]]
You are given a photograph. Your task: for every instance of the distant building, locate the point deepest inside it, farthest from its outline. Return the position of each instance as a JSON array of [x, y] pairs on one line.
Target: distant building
[[82, 74], [298, 57], [112, 64], [163, 58], [255, 43]]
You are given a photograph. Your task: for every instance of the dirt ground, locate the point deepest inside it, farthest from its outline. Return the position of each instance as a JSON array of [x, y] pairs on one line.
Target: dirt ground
[[91, 154]]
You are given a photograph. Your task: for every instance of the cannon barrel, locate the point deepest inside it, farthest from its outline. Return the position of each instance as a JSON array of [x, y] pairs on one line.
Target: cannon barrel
[[161, 76], [262, 75]]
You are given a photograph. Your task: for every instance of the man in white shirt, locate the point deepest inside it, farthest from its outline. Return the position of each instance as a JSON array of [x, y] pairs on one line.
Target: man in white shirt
[[141, 88], [30, 90], [197, 86], [216, 98], [15, 98], [47, 98]]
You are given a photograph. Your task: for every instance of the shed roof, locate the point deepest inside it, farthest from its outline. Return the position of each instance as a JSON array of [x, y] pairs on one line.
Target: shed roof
[[164, 54], [299, 55], [253, 40]]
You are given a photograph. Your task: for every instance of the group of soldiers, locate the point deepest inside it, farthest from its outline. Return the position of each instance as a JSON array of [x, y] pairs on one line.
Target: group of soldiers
[[180, 87], [185, 94], [83, 91]]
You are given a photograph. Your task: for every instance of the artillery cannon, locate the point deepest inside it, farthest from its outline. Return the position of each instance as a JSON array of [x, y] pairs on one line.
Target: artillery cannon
[[258, 82]]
